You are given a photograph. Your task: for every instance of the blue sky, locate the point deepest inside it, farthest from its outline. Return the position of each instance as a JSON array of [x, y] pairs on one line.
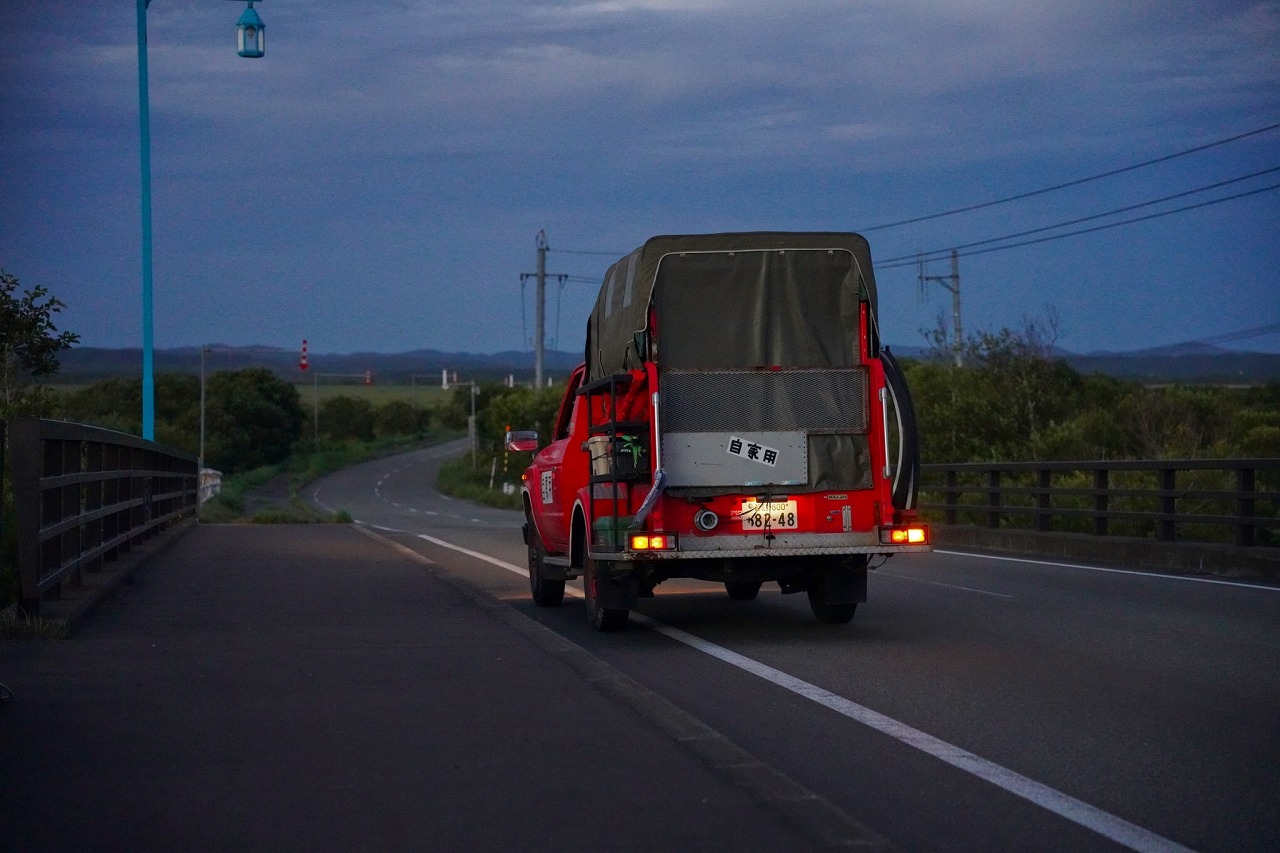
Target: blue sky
[[377, 181]]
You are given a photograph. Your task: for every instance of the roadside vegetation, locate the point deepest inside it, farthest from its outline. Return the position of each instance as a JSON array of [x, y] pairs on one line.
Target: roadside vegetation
[[1007, 400], [1011, 400], [998, 396], [491, 476], [257, 433], [256, 429]]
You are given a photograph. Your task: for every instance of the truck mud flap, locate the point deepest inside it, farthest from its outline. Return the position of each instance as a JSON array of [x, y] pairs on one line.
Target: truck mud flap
[[844, 585], [621, 591]]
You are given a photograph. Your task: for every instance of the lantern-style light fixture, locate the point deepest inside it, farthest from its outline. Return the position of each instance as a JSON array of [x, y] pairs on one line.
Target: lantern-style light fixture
[[251, 37]]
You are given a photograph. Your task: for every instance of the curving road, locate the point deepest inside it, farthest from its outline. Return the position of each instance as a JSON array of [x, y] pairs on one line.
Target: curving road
[[974, 703]]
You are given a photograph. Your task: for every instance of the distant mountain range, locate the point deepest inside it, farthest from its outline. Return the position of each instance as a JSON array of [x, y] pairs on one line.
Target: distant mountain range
[[90, 364], [1189, 363]]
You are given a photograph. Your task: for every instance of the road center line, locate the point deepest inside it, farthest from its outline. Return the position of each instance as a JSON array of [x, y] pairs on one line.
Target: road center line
[[1078, 812]]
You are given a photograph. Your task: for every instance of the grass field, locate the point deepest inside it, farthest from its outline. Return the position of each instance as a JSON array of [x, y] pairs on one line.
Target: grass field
[[429, 396]]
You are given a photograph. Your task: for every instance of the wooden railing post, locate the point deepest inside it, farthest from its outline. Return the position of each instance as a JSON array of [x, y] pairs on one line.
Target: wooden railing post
[[993, 499], [951, 498], [27, 462], [1168, 504], [1043, 519], [1246, 482], [1100, 501]]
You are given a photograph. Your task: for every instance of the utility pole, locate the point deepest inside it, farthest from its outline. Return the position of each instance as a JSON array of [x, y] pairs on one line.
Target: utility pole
[[951, 283], [541, 322]]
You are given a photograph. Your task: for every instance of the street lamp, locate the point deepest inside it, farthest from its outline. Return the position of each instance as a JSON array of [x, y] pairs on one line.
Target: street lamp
[[250, 45], [251, 37]]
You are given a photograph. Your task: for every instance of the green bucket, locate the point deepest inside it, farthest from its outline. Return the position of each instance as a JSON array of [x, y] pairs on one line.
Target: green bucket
[[611, 530]]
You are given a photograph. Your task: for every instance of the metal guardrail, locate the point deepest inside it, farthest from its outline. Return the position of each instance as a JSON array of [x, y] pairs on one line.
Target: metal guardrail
[[86, 495], [1230, 501]]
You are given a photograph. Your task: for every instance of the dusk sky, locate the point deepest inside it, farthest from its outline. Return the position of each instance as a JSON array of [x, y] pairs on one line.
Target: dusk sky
[[376, 182]]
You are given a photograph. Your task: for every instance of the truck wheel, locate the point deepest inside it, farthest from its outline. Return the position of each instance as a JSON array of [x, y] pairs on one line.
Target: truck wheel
[[829, 614], [546, 592], [835, 586], [601, 618], [742, 590]]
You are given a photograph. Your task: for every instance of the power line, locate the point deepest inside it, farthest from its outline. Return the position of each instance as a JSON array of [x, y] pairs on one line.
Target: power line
[[585, 252], [1240, 334], [1074, 183], [1098, 227], [936, 254]]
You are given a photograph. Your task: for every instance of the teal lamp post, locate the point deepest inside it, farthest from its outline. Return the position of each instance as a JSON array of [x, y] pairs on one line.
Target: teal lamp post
[[250, 44]]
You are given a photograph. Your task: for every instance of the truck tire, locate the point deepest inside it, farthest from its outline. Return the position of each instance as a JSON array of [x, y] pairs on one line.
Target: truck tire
[[546, 592], [742, 590], [601, 618], [835, 587], [829, 614]]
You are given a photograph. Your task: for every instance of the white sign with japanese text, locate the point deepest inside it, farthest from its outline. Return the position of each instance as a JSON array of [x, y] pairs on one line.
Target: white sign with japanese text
[[753, 451]]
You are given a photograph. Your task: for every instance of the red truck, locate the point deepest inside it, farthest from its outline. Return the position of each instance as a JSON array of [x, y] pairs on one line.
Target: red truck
[[735, 420]]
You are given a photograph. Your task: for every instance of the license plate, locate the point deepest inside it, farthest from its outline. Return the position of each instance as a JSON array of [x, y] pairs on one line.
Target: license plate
[[775, 515]]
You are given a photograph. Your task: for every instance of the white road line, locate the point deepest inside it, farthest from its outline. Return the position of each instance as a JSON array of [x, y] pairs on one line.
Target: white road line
[[502, 564], [1065, 806], [1078, 812], [882, 573], [1188, 578]]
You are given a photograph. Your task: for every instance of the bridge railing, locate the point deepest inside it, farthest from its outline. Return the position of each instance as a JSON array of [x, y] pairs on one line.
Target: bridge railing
[[84, 496], [1223, 501]]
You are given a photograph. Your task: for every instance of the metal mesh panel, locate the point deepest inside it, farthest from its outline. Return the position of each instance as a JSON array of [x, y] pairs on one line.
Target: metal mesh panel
[[766, 401]]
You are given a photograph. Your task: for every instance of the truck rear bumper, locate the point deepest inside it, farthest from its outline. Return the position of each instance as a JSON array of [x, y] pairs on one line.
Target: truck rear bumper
[[780, 545]]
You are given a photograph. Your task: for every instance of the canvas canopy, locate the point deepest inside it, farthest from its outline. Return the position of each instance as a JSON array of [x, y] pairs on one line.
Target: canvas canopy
[[749, 300], [758, 345]]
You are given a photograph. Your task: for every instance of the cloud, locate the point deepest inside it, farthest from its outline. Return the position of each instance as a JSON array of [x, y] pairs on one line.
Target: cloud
[[412, 137]]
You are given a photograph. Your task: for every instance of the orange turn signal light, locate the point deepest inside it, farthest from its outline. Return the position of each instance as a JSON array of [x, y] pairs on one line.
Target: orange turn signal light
[[653, 541], [917, 535]]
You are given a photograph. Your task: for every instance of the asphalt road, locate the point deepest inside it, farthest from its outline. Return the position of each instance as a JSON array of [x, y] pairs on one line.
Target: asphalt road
[[974, 703]]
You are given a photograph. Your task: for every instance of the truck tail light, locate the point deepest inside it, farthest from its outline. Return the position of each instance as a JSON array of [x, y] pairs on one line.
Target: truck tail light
[[915, 534], [652, 541]]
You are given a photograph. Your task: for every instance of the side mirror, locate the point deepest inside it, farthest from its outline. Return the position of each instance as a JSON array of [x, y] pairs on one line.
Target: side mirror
[[522, 441]]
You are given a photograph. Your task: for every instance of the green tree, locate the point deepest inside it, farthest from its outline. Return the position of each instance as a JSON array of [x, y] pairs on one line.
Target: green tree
[[520, 408], [117, 404], [111, 404], [346, 419], [1172, 423], [399, 417], [29, 347], [498, 406], [253, 418], [1008, 400]]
